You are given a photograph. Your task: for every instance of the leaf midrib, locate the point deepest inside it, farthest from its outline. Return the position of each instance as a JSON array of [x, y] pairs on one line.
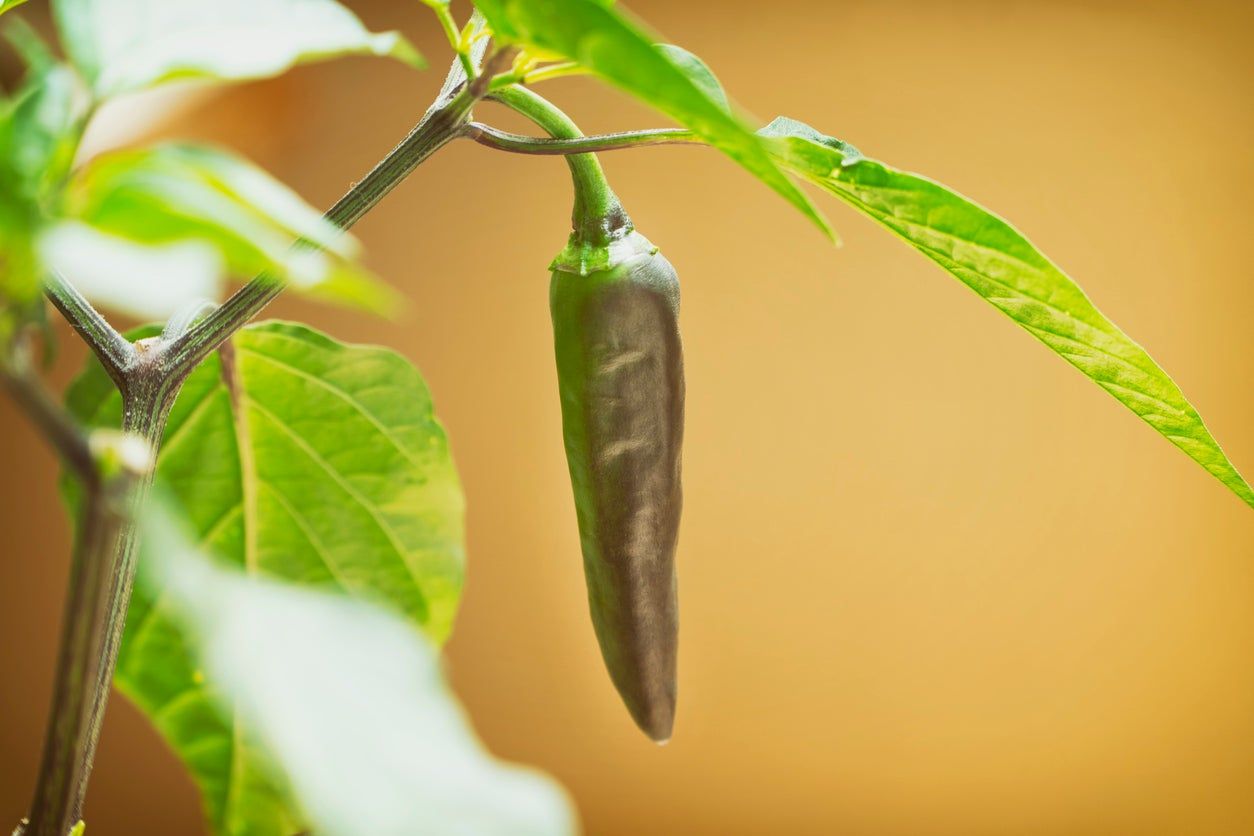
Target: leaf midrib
[[248, 493]]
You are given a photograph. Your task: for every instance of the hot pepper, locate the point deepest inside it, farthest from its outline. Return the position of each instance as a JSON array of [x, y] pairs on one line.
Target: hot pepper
[[614, 300]]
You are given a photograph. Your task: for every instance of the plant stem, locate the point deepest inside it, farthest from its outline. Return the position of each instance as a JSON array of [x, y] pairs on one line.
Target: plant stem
[[597, 215], [114, 351], [523, 144], [46, 414], [552, 71], [146, 402], [445, 16], [441, 124], [69, 744], [149, 375]]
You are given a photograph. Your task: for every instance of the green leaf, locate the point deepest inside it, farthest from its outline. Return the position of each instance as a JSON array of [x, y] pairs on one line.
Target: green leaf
[[254, 187], [43, 121], [699, 72], [300, 459], [124, 45], [116, 272], [1000, 264], [40, 127], [176, 192], [5, 5], [615, 48], [346, 702]]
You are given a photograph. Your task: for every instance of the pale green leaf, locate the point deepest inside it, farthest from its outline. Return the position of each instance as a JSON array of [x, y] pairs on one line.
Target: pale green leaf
[[301, 459], [117, 273], [124, 45], [177, 192], [996, 261], [252, 186], [347, 702], [612, 46]]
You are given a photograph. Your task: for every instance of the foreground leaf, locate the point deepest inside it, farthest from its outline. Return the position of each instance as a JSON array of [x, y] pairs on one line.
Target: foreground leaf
[[301, 459], [115, 272], [124, 45], [40, 127], [997, 262], [675, 82], [40, 124], [346, 701], [176, 192]]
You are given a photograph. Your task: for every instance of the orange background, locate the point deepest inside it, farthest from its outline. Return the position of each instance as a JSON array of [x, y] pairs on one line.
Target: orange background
[[932, 580]]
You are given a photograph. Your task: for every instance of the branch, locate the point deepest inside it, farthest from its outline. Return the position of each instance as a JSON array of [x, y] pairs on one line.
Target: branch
[[558, 70], [114, 351], [46, 414], [438, 127], [68, 745], [523, 144]]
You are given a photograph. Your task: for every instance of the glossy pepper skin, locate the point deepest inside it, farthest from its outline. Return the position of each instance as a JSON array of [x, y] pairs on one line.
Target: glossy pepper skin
[[615, 312]]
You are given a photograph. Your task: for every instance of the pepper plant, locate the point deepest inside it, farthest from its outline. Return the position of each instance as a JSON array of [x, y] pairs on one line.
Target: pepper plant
[[291, 500]]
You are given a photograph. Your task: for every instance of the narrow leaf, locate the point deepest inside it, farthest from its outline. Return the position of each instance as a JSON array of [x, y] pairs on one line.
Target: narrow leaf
[[124, 45], [609, 44], [1000, 264], [299, 459], [5, 5], [346, 701]]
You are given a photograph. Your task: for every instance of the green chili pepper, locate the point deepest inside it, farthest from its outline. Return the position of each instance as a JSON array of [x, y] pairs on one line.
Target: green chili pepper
[[621, 375], [615, 304]]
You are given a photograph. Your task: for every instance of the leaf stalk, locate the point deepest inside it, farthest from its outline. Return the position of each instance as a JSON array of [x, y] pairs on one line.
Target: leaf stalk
[[547, 146]]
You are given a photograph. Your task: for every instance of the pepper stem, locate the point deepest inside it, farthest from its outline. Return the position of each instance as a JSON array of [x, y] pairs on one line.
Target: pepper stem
[[597, 218]]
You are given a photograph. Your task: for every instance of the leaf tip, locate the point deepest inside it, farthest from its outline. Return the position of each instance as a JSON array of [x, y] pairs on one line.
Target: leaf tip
[[396, 45]]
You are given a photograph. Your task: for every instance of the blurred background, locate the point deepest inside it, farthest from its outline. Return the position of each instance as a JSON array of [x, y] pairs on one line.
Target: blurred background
[[932, 580]]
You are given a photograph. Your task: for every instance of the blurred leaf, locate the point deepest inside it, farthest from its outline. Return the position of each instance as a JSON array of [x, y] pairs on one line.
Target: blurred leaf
[[34, 52], [176, 192], [254, 187], [301, 459], [997, 262], [40, 127], [615, 48], [349, 285], [44, 130], [123, 45], [116, 272], [346, 701], [43, 120]]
